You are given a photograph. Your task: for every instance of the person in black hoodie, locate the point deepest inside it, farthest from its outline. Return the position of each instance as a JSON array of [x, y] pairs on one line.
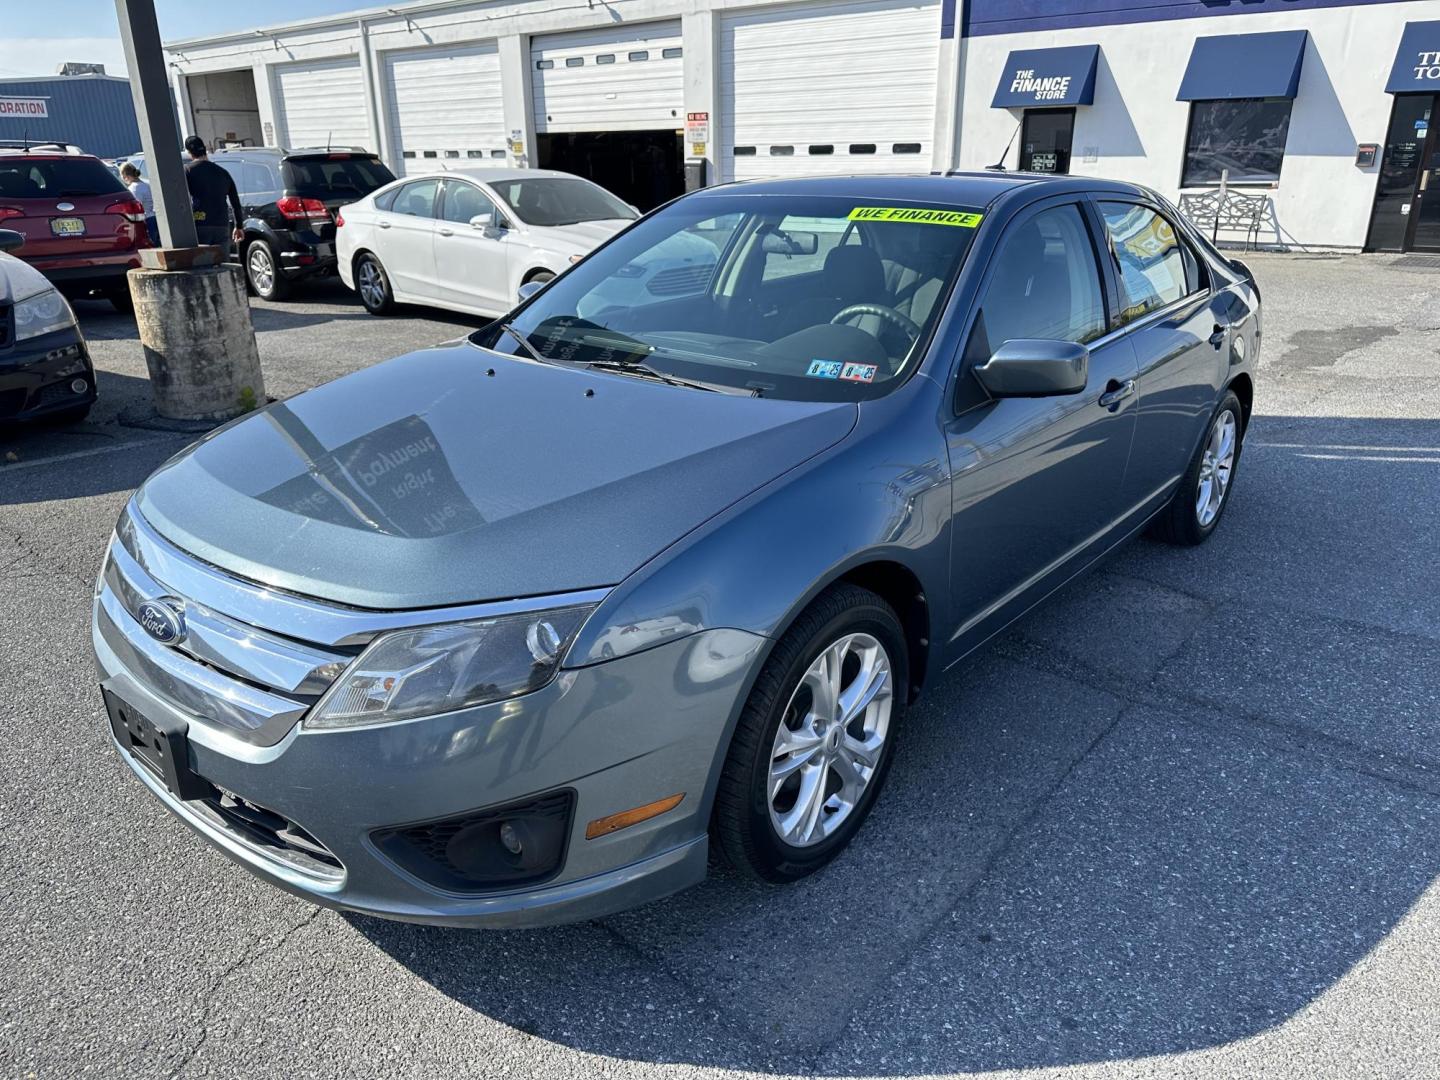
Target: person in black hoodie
[[211, 188]]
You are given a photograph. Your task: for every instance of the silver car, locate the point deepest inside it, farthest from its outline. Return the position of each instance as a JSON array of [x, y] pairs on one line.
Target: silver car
[[519, 629]]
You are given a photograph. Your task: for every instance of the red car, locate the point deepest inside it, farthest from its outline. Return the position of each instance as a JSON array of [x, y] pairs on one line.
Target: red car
[[83, 230]]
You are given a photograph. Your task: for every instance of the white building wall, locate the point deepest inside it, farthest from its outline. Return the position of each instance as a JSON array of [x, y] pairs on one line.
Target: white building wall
[[1136, 129], [369, 35]]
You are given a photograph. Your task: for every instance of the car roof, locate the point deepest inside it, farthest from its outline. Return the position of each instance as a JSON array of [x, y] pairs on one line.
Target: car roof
[[954, 188], [484, 174], [294, 151]]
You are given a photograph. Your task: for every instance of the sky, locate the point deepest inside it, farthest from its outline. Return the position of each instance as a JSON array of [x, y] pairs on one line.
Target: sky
[[42, 34]]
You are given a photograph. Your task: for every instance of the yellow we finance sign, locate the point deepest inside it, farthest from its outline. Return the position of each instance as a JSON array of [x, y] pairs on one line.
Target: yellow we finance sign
[[917, 215]]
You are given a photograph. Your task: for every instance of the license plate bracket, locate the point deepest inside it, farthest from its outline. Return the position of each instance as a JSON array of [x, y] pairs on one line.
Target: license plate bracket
[[67, 226], [161, 745]]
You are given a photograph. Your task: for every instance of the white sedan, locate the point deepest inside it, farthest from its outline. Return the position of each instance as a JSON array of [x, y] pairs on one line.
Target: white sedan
[[467, 239]]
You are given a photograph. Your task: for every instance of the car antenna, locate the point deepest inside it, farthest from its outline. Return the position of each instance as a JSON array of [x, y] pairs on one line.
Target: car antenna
[[999, 166], [328, 136]]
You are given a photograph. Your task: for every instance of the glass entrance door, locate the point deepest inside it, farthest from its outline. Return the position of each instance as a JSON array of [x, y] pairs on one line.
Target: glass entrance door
[[1409, 180], [1045, 140]]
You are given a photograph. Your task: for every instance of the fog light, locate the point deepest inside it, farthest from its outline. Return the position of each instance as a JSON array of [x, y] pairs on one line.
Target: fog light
[[79, 386], [510, 838]]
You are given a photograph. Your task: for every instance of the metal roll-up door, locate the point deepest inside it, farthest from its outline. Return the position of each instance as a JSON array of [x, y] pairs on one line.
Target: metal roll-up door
[[445, 104], [841, 87], [608, 80], [322, 103]]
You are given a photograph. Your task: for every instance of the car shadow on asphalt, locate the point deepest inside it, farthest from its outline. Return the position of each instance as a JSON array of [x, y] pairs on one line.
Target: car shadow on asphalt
[[1168, 810]]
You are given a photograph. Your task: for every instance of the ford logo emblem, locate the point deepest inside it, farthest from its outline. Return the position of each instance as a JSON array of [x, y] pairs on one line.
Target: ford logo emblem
[[64, 206], [161, 621]]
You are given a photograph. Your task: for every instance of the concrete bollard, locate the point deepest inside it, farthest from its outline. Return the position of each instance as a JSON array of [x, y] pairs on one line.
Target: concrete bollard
[[199, 344]]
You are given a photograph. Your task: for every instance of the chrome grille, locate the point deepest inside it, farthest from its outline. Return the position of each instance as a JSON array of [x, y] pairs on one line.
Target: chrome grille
[[681, 280]]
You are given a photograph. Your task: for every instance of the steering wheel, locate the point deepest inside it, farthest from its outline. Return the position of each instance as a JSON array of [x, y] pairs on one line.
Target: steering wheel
[[889, 314]]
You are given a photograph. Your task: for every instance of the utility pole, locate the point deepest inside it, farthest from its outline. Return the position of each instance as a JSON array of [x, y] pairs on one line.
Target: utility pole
[[159, 132], [191, 306]]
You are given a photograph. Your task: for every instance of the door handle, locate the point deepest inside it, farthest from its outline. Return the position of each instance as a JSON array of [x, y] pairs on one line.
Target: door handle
[[447, 232], [1217, 337], [1116, 392], [383, 224]]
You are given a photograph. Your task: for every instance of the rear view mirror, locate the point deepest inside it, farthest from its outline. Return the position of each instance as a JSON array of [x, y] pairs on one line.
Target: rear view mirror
[[1035, 367], [790, 243], [10, 240]]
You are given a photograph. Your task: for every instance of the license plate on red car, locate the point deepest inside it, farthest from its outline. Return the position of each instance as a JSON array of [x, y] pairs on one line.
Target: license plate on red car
[[67, 226]]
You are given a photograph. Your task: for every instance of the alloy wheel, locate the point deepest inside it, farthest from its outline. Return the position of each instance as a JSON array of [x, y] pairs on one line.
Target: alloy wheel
[[371, 284], [1217, 465], [262, 268], [830, 740]]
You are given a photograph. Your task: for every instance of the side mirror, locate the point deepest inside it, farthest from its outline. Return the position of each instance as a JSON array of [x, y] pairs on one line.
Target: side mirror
[[529, 289], [10, 240], [483, 221], [1035, 367]]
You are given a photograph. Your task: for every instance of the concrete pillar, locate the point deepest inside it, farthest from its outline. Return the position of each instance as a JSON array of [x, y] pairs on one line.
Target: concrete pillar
[[199, 345], [701, 35], [515, 97]]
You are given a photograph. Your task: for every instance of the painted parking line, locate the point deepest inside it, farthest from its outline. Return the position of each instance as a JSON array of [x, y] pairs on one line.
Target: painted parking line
[[113, 448]]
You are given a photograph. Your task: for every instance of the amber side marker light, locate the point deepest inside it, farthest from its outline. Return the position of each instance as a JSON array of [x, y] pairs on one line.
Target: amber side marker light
[[623, 820]]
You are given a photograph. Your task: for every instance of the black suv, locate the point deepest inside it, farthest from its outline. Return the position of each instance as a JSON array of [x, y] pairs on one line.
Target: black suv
[[290, 198]]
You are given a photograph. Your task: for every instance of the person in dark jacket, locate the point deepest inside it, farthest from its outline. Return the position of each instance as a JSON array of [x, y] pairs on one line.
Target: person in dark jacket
[[211, 189]]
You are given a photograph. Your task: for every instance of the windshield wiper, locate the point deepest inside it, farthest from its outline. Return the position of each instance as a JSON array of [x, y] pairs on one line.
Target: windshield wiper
[[640, 370], [535, 354]]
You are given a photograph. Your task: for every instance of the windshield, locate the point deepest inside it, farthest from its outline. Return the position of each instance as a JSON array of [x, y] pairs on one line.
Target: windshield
[[552, 200], [50, 178], [336, 175], [804, 297]]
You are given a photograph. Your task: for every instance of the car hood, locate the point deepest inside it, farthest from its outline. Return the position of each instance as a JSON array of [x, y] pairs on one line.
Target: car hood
[[19, 279], [455, 475], [581, 237]]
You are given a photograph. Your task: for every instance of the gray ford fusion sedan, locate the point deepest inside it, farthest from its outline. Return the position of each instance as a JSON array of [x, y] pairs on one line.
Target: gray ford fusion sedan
[[519, 629]]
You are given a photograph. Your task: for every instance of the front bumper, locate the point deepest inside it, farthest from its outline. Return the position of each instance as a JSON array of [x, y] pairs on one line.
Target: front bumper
[[38, 376], [618, 735]]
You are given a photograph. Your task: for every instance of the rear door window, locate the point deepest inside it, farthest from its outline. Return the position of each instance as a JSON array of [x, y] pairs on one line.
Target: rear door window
[[417, 199], [1155, 265]]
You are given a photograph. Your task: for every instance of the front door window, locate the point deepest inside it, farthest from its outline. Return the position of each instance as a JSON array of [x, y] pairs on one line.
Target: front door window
[[1045, 140]]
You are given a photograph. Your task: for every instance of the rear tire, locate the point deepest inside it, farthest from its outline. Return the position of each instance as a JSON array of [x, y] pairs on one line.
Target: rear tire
[[538, 276], [373, 285], [262, 272], [1195, 509], [788, 803]]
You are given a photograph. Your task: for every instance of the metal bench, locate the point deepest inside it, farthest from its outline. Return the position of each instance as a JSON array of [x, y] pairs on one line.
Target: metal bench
[[1230, 211]]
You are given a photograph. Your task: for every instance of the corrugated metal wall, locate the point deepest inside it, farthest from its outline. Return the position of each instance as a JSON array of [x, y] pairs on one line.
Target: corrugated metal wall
[[91, 111]]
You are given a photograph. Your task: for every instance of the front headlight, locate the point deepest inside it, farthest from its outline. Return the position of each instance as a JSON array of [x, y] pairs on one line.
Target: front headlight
[[438, 669], [42, 313]]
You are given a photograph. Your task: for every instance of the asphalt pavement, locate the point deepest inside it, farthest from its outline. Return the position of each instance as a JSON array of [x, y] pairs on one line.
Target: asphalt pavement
[[1182, 821]]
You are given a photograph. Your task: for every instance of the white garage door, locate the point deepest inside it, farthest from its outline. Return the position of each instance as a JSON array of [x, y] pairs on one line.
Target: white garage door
[[445, 104], [604, 80], [322, 104], [843, 87]]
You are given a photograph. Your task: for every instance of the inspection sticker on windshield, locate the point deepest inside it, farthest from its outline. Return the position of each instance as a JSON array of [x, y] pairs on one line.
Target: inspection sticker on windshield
[[825, 369], [859, 372], [916, 214]]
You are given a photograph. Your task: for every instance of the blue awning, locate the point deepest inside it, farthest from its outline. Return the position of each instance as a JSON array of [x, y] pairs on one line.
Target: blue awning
[[1063, 76], [1417, 62], [1244, 66]]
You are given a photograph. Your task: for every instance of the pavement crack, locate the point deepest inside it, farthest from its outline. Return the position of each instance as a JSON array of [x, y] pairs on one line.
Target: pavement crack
[[242, 960]]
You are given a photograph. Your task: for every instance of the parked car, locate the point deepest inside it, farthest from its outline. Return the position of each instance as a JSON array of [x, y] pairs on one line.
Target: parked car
[[517, 629], [83, 230], [290, 198], [45, 369], [467, 239]]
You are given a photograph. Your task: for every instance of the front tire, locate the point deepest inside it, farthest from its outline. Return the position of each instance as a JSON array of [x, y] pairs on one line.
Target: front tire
[[373, 285], [1195, 509], [813, 744], [262, 272]]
